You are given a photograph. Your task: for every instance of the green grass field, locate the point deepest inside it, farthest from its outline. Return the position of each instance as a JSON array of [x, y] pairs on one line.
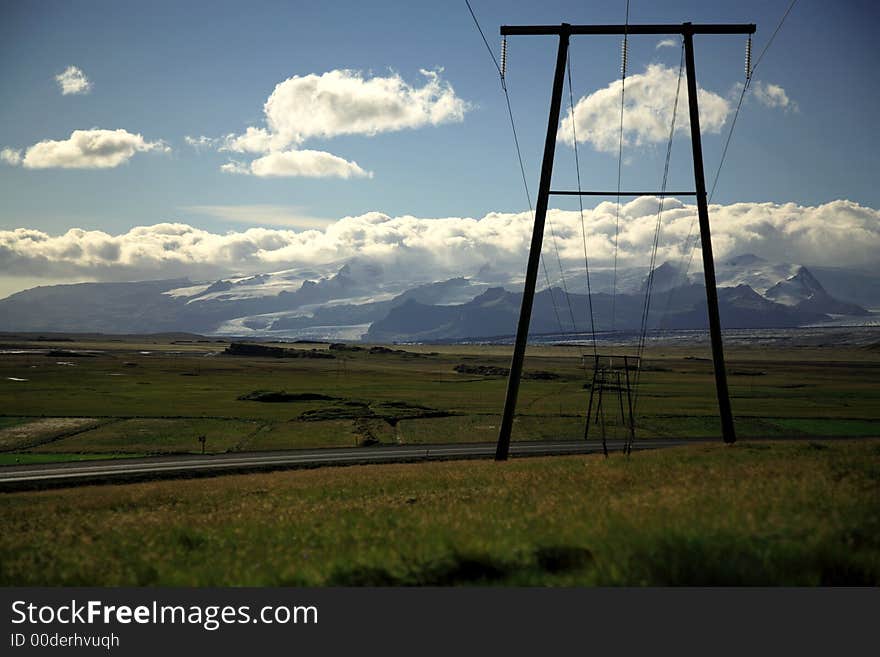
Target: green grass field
[[159, 397], [803, 513]]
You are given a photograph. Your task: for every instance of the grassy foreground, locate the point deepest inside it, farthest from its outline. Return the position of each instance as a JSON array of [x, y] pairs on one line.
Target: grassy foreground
[[753, 514]]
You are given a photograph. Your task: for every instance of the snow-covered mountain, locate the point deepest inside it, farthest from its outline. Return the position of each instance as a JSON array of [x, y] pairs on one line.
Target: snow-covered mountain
[[757, 273], [359, 297]]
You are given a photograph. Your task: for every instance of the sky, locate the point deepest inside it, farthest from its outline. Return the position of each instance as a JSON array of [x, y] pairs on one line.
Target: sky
[[149, 140]]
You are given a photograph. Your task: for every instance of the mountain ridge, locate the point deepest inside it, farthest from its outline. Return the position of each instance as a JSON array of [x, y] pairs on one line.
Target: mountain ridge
[[360, 300]]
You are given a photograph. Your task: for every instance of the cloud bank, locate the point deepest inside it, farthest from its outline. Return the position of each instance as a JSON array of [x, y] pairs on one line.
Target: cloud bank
[[336, 103], [73, 81], [839, 233], [85, 149]]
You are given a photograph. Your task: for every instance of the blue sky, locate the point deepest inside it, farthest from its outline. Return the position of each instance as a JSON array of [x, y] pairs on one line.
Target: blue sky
[[168, 70]]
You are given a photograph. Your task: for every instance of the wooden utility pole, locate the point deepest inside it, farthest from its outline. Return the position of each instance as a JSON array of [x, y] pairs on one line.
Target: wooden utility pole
[[727, 430], [564, 32], [525, 313]]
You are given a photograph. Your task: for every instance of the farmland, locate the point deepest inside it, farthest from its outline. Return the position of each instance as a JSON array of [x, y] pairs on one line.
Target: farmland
[[793, 513], [102, 397]]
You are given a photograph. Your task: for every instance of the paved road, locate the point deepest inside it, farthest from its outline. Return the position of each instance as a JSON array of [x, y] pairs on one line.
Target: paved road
[[78, 472], [72, 473]]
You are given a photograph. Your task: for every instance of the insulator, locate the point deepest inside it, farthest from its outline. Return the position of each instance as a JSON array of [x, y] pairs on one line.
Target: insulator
[[749, 58], [624, 48], [503, 56]]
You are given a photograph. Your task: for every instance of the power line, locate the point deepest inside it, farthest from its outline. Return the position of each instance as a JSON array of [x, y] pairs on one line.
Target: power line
[[619, 167], [488, 47], [521, 167], [742, 95], [646, 309], [729, 136], [773, 36], [577, 166], [693, 243]]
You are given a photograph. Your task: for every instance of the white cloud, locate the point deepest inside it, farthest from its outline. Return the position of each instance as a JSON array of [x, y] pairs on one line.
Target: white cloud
[[339, 102], [839, 233], [73, 81], [85, 149], [294, 163], [308, 163], [647, 112], [201, 142], [10, 156], [344, 102], [666, 43], [771, 95], [236, 166], [254, 140]]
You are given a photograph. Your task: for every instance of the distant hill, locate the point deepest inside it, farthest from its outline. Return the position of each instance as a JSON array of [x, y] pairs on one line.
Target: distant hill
[[96, 308], [495, 313], [359, 298], [859, 287]]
